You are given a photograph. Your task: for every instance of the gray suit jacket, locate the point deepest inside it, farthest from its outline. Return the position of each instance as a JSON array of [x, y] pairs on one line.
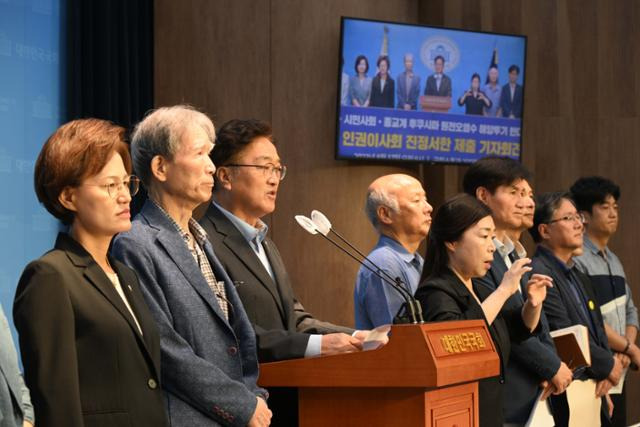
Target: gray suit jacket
[[413, 92], [209, 364], [282, 325], [15, 402]]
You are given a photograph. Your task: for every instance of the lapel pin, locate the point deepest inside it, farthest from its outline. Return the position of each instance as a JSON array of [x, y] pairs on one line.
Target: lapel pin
[[592, 305], [130, 289]]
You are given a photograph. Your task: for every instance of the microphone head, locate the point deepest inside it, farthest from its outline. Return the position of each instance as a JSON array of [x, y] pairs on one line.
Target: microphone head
[[307, 224], [321, 222]]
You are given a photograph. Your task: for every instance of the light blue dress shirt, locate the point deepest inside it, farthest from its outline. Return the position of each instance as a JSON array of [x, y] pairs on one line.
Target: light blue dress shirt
[[494, 96], [376, 303]]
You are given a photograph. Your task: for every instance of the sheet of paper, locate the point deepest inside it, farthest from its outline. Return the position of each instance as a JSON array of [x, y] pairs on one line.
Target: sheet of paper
[[377, 338], [540, 414], [584, 406], [618, 388]]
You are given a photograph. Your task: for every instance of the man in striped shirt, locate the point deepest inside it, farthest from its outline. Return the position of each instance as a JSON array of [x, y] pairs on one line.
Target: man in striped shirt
[[597, 199]]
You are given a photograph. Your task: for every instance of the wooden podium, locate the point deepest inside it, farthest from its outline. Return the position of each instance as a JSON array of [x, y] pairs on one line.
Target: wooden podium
[[425, 376], [435, 104]]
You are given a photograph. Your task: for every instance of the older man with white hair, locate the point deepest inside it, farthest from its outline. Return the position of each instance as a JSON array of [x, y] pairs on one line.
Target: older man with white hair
[[209, 361], [398, 209]]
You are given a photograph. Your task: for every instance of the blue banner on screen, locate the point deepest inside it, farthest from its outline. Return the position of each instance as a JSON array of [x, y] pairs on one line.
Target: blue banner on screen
[[416, 93]]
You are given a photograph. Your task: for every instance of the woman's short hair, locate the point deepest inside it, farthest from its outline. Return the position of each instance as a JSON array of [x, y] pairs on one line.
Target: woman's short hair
[[384, 58], [160, 133], [453, 218], [74, 152], [366, 61]]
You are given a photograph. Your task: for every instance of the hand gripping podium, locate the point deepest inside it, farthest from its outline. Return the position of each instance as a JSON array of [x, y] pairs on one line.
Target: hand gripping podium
[[425, 376]]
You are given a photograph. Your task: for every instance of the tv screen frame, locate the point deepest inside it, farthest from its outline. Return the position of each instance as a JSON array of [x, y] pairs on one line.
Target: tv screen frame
[[442, 130]]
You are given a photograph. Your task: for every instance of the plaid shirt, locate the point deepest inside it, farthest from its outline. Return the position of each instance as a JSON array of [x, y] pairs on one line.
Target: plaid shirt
[[200, 257]]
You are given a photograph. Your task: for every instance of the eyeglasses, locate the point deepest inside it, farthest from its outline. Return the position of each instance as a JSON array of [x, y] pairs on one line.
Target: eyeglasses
[[114, 189], [268, 170], [569, 218]]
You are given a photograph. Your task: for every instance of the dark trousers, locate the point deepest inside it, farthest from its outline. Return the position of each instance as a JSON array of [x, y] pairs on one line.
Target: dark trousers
[[283, 402], [619, 418], [560, 410]]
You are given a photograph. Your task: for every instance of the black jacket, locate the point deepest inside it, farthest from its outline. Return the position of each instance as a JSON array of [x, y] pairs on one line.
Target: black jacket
[[447, 298], [532, 360], [85, 362]]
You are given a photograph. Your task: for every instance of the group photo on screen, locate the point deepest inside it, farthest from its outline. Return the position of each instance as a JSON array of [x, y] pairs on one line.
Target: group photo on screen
[[422, 73]]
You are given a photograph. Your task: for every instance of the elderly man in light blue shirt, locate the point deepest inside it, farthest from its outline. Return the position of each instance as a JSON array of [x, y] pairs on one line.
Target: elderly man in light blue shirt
[[398, 209]]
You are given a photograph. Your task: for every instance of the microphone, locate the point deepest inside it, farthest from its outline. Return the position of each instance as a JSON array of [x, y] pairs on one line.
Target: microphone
[[323, 230], [323, 225]]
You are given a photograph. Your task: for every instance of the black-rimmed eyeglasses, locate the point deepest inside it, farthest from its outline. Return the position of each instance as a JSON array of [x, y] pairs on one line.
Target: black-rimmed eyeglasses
[[268, 170]]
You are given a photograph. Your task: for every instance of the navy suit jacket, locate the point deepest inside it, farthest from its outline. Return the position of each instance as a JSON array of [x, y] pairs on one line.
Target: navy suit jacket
[[509, 106], [281, 323], [532, 360], [209, 364], [561, 309], [431, 88]]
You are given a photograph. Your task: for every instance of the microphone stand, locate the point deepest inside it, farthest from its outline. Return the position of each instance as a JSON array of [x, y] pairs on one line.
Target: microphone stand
[[395, 284], [414, 305]]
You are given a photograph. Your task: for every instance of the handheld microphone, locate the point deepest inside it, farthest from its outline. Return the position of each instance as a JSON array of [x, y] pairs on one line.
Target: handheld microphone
[[313, 228], [323, 225]]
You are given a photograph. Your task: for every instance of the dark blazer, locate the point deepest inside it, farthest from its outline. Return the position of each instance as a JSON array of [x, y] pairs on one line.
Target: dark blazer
[[401, 90], [209, 364], [384, 97], [474, 106], [282, 325], [511, 106], [431, 88], [447, 298], [532, 360], [561, 309], [85, 361]]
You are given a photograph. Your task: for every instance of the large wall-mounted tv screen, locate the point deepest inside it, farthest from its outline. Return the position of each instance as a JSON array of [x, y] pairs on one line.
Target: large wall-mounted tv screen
[[428, 94]]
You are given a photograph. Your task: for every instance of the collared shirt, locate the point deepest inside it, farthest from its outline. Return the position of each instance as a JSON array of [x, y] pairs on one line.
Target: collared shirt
[[408, 76], [610, 283], [376, 302], [254, 237], [494, 94], [509, 247], [382, 83], [200, 257]]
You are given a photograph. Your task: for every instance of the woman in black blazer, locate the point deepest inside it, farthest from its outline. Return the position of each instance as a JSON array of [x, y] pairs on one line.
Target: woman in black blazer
[[460, 247], [383, 87], [89, 345]]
